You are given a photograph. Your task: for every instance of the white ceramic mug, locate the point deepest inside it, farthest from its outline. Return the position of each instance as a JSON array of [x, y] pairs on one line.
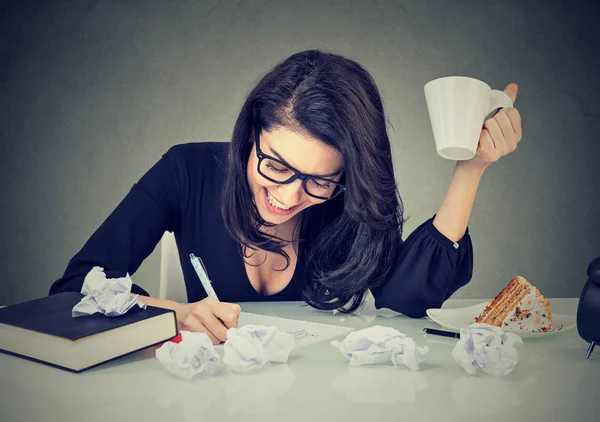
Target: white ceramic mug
[[457, 108]]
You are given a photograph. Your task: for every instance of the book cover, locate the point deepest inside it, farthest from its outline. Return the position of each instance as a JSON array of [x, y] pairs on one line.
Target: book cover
[[37, 319]]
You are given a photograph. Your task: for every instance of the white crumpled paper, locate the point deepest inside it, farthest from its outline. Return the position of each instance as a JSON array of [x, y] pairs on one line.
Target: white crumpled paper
[[253, 346], [109, 296], [381, 344], [487, 347], [193, 355]]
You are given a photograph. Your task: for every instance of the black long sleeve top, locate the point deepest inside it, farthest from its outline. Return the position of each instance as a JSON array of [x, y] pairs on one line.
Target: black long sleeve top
[[181, 194]]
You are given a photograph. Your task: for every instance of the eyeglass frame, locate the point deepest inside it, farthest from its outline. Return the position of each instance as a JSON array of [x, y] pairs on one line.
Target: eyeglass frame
[[297, 174]]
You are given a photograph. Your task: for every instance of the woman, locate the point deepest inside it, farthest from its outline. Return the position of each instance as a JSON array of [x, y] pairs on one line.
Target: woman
[[302, 204]]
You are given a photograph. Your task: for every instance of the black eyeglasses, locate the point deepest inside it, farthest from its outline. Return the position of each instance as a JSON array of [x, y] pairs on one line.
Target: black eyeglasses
[[281, 173]]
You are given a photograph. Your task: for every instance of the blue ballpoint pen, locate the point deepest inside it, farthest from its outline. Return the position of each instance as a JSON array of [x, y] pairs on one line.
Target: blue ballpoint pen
[[203, 276]]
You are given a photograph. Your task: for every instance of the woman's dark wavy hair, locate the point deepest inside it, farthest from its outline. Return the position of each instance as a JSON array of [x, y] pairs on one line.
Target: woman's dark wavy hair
[[347, 244]]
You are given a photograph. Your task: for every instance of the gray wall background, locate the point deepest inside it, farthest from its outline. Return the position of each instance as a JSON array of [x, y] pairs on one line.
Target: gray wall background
[[94, 92]]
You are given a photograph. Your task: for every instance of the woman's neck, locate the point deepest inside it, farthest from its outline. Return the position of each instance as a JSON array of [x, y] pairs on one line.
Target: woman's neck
[[287, 231]]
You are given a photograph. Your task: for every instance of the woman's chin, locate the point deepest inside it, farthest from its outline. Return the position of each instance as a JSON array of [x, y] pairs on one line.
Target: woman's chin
[[273, 218]]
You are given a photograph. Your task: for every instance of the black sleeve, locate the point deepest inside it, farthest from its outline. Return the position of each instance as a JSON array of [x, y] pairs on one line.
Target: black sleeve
[[132, 231], [429, 268]]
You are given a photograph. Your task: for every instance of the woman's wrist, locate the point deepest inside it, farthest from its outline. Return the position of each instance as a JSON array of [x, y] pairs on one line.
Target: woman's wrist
[[179, 308], [453, 216], [161, 303], [471, 168]]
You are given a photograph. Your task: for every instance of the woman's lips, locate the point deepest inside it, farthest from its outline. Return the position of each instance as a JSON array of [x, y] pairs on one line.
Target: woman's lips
[[276, 210]]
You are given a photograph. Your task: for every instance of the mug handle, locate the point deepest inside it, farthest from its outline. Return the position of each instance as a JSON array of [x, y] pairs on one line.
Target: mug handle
[[498, 99]]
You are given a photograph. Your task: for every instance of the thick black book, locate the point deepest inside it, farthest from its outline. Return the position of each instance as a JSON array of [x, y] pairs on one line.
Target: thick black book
[[43, 330]]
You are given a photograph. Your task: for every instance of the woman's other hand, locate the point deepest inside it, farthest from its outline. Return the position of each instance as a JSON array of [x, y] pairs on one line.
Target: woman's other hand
[[499, 136]]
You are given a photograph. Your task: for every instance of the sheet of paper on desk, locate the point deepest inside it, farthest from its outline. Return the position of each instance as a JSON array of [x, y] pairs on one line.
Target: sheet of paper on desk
[[304, 332]]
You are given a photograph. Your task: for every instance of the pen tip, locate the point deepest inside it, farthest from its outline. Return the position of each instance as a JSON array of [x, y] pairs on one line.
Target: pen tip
[[590, 349]]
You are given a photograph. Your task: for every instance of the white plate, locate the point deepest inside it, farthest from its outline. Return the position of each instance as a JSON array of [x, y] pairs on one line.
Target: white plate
[[458, 318]]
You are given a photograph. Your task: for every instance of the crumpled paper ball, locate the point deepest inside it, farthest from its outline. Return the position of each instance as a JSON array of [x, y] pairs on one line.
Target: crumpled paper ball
[[109, 296], [487, 347], [193, 355], [379, 344], [253, 346]]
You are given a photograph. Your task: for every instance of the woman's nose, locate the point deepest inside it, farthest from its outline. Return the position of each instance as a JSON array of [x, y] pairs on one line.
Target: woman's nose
[[291, 194]]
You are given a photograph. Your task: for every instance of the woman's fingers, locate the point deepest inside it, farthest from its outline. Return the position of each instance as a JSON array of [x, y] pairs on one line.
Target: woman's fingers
[[497, 136], [226, 314], [504, 129], [215, 326], [515, 121], [237, 309], [195, 322], [212, 338], [487, 149]]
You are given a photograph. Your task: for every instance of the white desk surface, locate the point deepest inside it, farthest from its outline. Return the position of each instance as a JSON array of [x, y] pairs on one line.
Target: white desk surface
[[552, 382]]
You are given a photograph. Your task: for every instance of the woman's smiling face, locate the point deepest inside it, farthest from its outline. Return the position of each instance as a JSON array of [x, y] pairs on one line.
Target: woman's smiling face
[[279, 203]]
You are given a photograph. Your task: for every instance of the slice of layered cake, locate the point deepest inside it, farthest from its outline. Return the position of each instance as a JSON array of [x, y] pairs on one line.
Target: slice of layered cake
[[518, 307]]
